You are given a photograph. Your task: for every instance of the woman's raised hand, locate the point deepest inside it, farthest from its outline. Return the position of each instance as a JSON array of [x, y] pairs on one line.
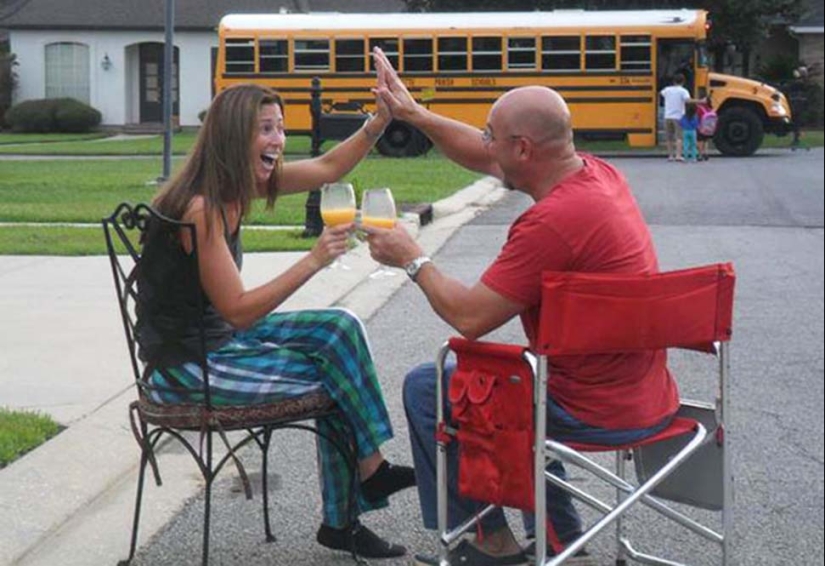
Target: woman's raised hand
[[391, 90]]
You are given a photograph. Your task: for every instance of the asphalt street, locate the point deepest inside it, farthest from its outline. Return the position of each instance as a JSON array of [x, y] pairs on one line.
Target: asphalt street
[[764, 214]]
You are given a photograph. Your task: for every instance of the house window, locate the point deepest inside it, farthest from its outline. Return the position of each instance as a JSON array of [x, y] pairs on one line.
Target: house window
[[67, 71]]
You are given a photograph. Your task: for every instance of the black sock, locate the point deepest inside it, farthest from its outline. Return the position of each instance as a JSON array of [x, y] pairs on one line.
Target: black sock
[[386, 480]]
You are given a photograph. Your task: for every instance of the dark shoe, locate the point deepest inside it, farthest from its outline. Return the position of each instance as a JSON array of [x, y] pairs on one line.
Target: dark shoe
[[386, 480], [363, 542], [465, 554], [581, 558]]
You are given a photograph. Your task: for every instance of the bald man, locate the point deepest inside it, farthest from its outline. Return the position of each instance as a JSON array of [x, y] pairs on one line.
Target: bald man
[[584, 219]]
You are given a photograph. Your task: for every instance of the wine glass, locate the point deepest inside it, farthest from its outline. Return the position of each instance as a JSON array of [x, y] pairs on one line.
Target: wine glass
[[378, 211], [337, 207]]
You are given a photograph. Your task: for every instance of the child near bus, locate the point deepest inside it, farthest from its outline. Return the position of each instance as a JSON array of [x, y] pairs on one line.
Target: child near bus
[[707, 126], [689, 123]]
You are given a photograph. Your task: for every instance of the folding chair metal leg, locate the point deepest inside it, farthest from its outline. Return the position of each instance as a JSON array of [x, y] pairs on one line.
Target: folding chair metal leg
[[727, 469], [621, 460], [540, 460], [441, 457], [567, 454]]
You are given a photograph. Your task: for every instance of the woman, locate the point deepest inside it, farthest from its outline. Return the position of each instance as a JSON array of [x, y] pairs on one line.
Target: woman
[[256, 355]]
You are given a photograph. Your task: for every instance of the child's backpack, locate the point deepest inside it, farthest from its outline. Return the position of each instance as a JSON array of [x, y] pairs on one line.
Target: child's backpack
[[708, 121]]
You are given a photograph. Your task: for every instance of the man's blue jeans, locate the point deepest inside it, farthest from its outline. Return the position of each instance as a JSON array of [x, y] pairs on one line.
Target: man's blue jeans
[[420, 407]]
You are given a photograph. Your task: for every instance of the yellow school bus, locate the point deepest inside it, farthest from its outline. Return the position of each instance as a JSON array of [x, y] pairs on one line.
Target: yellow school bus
[[608, 65]]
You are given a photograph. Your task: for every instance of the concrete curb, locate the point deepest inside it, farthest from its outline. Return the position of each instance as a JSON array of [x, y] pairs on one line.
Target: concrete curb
[[71, 500]]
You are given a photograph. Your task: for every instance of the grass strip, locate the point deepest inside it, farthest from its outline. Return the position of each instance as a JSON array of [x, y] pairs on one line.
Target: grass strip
[[89, 240], [9, 138], [85, 191], [22, 431]]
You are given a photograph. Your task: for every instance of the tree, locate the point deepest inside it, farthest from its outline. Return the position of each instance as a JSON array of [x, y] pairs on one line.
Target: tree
[[745, 23], [8, 82]]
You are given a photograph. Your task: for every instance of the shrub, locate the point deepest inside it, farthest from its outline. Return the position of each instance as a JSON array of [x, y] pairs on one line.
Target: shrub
[[31, 116], [75, 117], [52, 115]]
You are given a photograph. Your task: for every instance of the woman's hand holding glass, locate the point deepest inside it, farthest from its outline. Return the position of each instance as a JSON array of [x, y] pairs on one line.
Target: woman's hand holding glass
[[337, 209], [378, 211], [332, 244]]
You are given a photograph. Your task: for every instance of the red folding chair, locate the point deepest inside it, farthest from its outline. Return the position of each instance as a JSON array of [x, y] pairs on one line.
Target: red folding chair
[[597, 314]]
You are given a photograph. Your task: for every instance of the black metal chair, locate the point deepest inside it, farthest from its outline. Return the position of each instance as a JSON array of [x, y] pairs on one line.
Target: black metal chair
[[151, 421]]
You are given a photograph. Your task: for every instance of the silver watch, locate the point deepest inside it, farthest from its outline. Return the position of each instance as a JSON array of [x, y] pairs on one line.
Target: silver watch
[[415, 265]]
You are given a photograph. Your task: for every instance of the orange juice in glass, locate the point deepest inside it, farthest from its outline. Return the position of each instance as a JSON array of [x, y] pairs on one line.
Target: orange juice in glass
[[336, 216], [378, 211], [337, 207], [377, 222]]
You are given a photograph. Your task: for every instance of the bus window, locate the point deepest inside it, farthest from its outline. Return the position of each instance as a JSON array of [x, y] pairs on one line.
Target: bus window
[[600, 53], [240, 56], [349, 55], [389, 45], [702, 57], [418, 55], [561, 53], [273, 55], [452, 53], [486, 53], [635, 53], [521, 53], [312, 55]]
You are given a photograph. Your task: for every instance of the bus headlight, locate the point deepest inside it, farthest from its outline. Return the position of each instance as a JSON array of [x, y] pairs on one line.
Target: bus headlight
[[778, 110]]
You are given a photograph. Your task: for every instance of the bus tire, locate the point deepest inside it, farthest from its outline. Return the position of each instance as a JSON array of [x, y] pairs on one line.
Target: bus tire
[[403, 140], [739, 133]]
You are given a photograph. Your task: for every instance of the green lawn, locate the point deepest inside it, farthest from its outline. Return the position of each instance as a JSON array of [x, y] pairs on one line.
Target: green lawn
[[21, 431], [84, 191], [98, 144]]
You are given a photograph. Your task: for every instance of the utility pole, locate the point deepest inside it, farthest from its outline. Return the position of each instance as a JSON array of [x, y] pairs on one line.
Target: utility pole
[[168, 83]]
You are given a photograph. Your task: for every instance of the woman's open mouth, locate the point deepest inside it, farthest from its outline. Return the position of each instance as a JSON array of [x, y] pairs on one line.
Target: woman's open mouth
[[269, 159]]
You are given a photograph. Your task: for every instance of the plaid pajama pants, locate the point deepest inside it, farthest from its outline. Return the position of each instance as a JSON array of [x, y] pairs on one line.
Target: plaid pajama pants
[[291, 354]]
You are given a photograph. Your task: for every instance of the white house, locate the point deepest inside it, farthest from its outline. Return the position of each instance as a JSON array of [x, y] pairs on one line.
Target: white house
[[110, 55]]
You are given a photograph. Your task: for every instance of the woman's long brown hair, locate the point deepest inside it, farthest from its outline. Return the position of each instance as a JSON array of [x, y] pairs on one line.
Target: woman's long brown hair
[[219, 167]]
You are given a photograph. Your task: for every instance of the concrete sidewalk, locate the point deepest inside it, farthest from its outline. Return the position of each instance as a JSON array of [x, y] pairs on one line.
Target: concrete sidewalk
[[71, 500]]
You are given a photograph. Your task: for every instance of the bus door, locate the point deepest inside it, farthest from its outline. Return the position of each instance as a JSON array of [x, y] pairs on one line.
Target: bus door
[[675, 56]]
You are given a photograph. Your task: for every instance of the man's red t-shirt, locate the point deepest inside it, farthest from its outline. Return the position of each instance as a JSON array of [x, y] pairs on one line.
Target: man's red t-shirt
[[589, 222]]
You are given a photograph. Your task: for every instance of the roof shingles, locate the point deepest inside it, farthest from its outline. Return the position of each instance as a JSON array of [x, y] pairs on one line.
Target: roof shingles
[[149, 14]]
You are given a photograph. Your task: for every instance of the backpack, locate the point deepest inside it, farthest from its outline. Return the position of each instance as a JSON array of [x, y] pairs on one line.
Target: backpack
[[707, 122]]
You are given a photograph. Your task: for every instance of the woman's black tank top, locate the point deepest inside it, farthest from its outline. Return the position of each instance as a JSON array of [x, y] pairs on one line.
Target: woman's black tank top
[[167, 307]]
